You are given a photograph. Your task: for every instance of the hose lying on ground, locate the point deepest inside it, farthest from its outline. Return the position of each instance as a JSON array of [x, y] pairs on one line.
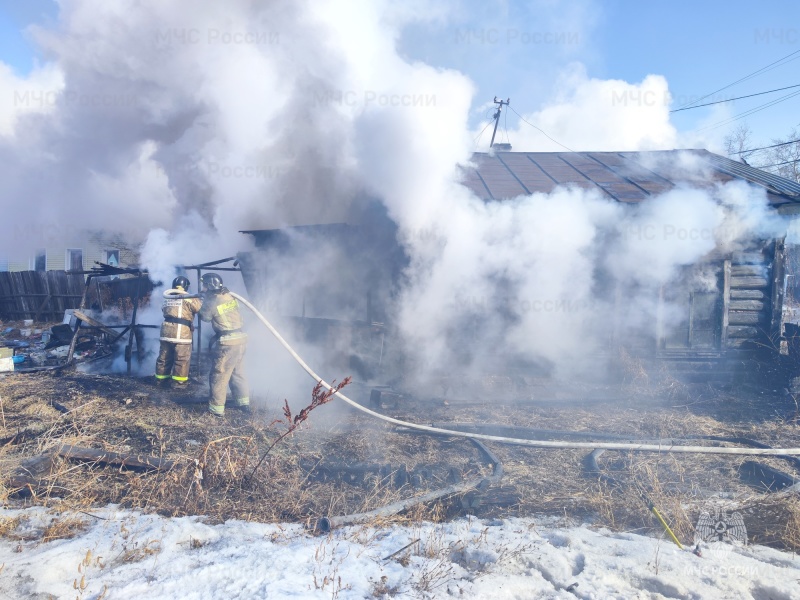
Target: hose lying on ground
[[523, 442], [530, 433], [325, 524]]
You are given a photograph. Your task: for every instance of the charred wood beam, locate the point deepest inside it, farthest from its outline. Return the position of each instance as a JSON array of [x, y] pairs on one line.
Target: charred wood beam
[[81, 316], [747, 295], [210, 264], [746, 318], [752, 305], [743, 332], [31, 472], [136, 461], [778, 269], [748, 270], [749, 282], [726, 301], [31, 475]]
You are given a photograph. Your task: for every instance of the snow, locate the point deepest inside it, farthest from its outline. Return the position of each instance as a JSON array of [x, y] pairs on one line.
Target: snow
[[126, 554]]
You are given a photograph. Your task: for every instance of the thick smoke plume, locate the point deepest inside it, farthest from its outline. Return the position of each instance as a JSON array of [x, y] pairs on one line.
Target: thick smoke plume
[[179, 124]]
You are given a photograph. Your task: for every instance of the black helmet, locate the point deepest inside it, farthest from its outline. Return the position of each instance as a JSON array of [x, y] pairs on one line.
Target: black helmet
[[212, 281], [180, 282]]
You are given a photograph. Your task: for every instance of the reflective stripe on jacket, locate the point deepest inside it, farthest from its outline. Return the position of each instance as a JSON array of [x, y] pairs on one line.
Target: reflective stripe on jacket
[[179, 308], [226, 320]]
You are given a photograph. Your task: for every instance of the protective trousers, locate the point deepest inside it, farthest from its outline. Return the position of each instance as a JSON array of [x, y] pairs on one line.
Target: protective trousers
[[173, 361], [228, 368]]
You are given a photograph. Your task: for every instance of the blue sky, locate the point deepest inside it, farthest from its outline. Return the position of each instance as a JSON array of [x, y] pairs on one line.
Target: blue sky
[[16, 47], [698, 46], [517, 49]]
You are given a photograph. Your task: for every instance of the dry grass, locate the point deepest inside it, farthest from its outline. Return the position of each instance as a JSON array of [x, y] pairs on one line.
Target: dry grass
[[212, 459], [64, 528], [9, 526]]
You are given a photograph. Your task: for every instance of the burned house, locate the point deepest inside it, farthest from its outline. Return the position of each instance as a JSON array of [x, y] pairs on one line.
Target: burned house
[[740, 318], [745, 315]]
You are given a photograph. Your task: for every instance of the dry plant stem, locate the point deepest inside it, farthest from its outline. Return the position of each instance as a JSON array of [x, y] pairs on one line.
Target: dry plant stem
[[318, 398]]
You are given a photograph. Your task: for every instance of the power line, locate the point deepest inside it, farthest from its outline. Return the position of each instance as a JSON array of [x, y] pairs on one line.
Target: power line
[[777, 164], [746, 77], [737, 98], [542, 131], [477, 137], [751, 111], [766, 147]]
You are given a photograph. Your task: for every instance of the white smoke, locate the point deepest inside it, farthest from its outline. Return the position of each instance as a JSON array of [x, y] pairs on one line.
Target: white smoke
[[181, 123], [587, 114], [35, 93]]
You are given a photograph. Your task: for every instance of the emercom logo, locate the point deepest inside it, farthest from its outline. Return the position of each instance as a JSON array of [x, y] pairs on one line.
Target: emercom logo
[[718, 531]]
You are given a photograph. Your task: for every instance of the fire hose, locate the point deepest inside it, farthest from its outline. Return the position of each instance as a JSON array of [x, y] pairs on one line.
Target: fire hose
[[630, 446], [325, 524]]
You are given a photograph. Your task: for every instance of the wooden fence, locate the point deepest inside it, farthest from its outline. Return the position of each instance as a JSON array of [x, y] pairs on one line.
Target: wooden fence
[[39, 295], [45, 295]]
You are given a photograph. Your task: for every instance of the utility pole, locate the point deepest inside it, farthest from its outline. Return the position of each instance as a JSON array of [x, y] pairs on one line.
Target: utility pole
[[500, 105]]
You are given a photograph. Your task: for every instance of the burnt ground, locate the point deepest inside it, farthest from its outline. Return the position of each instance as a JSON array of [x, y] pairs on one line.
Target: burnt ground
[[356, 463]]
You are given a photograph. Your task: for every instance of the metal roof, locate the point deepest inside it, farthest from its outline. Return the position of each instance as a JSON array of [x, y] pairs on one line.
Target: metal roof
[[624, 176]]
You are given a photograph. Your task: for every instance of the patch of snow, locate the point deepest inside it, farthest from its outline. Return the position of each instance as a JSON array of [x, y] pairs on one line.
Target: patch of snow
[[126, 554]]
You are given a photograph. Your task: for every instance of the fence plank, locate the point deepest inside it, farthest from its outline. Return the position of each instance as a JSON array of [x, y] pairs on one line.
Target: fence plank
[[39, 294]]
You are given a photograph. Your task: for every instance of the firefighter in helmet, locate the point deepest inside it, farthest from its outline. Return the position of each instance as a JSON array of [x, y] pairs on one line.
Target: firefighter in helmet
[[229, 345], [175, 354]]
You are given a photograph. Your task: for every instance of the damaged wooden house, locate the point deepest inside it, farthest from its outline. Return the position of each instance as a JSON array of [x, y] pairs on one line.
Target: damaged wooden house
[[746, 321], [743, 323]]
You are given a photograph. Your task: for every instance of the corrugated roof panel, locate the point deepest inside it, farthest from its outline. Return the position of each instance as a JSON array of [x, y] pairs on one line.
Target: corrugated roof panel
[[605, 178], [562, 172], [774, 183], [626, 176], [471, 180], [499, 180], [530, 174], [634, 172]]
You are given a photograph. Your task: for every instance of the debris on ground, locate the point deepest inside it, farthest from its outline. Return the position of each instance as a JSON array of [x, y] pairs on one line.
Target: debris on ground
[[32, 345]]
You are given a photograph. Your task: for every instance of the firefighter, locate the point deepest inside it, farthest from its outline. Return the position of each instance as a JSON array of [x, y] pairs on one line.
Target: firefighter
[[229, 345], [175, 354]]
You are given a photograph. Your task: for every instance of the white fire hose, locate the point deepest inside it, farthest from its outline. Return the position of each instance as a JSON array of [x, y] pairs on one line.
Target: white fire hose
[[176, 293], [519, 441]]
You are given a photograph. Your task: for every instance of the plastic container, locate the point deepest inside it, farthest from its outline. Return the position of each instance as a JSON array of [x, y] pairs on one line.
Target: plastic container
[[28, 322], [18, 358], [25, 332]]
